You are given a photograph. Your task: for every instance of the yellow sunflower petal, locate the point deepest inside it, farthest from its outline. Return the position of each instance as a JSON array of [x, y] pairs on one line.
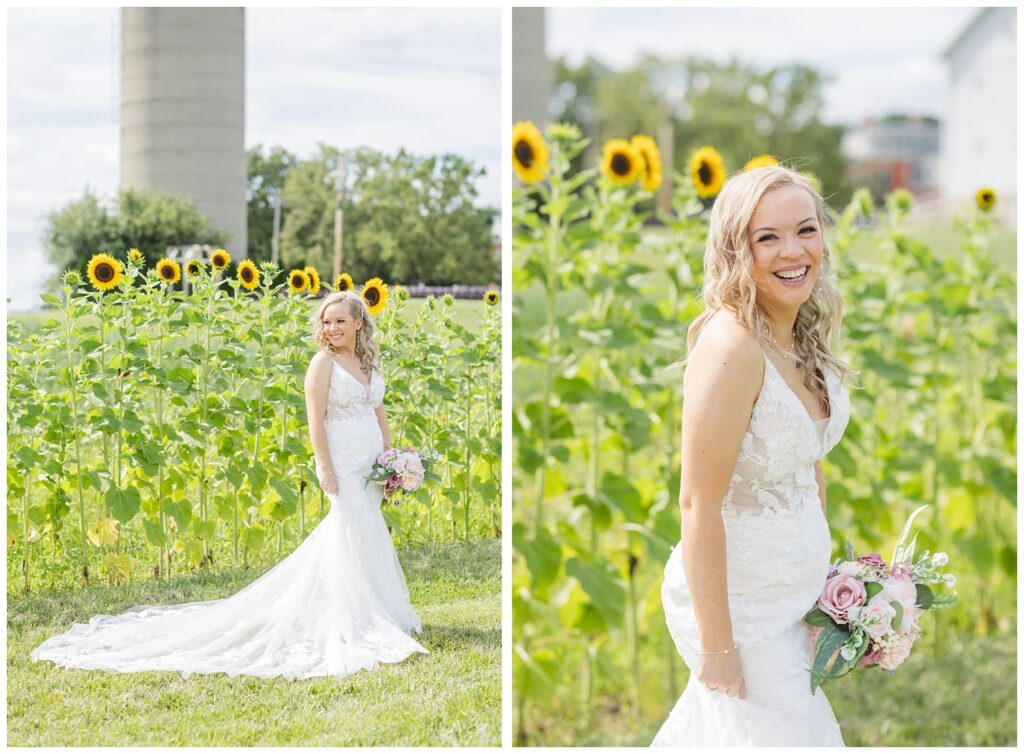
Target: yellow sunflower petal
[[105, 272], [708, 171], [168, 270], [650, 172], [375, 294], [622, 161], [314, 280], [248, 275], [985, 198], [529, 152], [298, 281], [761, 161], [344, 282]]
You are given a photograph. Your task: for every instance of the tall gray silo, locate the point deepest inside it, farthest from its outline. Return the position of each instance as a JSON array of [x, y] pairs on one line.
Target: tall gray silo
[[531, 69], [183, 109]]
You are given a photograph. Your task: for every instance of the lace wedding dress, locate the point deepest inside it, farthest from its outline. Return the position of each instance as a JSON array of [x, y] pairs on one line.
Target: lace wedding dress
[[336, 605], [777, 552]]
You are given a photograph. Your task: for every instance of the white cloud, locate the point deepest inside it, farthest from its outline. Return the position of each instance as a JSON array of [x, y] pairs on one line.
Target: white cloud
[[869, 49], [424, 79]]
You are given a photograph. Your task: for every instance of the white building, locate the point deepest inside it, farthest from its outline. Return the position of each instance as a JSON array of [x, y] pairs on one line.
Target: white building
[[979, 135]]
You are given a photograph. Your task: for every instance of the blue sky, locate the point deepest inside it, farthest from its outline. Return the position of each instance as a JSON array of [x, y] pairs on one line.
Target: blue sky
[[883, 59], [428, 80]]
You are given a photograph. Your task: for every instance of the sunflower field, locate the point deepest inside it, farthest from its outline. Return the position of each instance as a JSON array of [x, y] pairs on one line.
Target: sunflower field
[[601, 307], [152, 430]]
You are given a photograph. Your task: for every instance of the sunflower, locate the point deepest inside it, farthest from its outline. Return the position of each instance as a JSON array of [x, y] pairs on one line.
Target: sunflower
[[650, 157], [72, 279], [529, 152], [220, 259], [622, 161], [375, 294], [298, 281], [986, 199], [248, 274], [708, 171], [135, 255], [168, 270], [194, 267], [491, 297], [314, 280], [344, 282], [761, 161], [104, 272]]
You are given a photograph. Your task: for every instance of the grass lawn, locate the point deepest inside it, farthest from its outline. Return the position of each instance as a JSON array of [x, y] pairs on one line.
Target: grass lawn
[[451, 697], [965, 695]]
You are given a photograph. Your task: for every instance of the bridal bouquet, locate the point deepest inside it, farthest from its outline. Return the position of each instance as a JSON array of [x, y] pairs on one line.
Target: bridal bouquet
[[868, 611], [402, 471]]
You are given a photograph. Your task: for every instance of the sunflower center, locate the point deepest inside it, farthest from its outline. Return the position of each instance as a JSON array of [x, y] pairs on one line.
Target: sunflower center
[[704, 173], [372, 296], [167, 272], [524, 153], [620, 164], [342, 286], [297, 281], [104, 272], [986, 197], [247, 274]]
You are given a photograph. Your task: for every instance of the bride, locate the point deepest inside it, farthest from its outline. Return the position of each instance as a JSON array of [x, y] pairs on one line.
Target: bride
[[764, 402], [339, 602]]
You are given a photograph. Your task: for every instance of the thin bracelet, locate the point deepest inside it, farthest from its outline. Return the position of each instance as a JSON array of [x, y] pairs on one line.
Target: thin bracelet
[[733, 648]]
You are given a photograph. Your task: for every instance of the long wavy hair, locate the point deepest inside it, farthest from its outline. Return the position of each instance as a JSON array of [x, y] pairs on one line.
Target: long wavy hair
[[367, 350], [729, 281]]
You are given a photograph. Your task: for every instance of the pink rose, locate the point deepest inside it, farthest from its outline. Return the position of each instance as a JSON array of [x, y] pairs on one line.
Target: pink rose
[[871, 657], [841, 593], [895, 656], [876, 617], [874, 559], [900, 588]]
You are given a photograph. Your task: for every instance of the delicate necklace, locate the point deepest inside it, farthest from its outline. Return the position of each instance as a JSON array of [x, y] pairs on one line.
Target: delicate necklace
[[789, 354]]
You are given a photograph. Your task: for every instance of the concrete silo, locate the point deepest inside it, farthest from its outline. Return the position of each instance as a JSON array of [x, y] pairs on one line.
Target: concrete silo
[[183, 109]]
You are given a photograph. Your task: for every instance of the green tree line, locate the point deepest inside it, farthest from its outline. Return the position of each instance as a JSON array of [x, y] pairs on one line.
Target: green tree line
[[407, 218]]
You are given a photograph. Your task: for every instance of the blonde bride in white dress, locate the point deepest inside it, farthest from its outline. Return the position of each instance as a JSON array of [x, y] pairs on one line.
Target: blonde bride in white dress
[[763, 403], [339, 602]]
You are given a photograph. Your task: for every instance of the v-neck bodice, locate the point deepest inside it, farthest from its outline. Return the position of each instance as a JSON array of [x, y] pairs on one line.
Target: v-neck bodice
[[775, 468], [347, 398]]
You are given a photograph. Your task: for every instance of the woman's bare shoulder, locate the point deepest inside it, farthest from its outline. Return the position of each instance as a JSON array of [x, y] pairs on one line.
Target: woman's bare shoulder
[[726, 358], [320, 363]]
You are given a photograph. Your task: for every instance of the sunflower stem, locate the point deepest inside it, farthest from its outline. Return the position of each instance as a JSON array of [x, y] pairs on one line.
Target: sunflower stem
[[76, 432]]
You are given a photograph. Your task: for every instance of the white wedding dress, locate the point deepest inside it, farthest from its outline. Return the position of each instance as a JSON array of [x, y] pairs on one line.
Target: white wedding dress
[[777, 552], [336, 605]]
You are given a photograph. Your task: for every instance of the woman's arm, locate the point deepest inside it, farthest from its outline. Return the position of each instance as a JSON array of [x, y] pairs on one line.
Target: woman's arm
[[819, 474], [317, 383], [385, 429], [723, 379]]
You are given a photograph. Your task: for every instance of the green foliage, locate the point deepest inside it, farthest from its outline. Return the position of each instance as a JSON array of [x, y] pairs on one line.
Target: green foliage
[[450, 697], [741, 109], [147, 221], [153, 430], [405, 217], [601, 309], [266, 171]]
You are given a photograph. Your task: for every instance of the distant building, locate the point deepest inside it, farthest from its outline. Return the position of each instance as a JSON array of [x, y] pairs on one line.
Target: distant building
[[979, 142], [183, 109], [897, 151]]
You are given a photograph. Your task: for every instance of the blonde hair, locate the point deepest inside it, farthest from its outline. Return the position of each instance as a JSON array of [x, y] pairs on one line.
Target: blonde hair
[[367, 350], [729, 281]]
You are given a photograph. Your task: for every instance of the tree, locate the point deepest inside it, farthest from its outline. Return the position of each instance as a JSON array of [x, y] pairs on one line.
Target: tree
[[407, 219], [147, 221], [266, 176], [739, 108]]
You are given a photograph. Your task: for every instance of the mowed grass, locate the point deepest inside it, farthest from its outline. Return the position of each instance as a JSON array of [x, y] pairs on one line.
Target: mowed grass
[[451, 697]]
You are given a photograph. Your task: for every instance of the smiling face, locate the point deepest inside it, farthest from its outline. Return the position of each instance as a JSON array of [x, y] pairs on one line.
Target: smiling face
[[785, 238], [341, 326]]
